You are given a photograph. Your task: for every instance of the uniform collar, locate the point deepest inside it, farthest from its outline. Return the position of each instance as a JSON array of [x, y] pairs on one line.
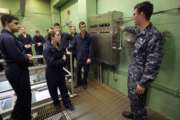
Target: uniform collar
[[86, 35], [146, 29], [6, 31]]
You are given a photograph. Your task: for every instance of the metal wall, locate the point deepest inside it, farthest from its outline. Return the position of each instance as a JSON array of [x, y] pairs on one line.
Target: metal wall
[[104, 29]]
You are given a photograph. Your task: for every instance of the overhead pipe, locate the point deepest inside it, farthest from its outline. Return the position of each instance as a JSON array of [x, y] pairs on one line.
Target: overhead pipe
[[22, 7]]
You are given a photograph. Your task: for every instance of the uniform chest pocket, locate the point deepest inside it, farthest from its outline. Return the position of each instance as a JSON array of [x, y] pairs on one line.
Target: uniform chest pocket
[[140, 47]]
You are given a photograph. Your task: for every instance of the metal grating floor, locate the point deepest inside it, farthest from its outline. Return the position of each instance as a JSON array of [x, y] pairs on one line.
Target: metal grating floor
[[49, 112], [60, 116]]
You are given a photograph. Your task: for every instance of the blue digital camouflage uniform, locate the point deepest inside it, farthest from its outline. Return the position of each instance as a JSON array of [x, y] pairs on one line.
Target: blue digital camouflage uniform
[[144, 67]]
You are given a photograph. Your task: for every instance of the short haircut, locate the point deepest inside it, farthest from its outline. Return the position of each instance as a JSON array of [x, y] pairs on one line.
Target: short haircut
[[7, 19], [146, 7], [37, 31], [57, 24], [81, 23]]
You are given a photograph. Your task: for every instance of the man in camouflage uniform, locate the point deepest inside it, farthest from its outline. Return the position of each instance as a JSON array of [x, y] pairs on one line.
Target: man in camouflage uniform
[[146, 59]]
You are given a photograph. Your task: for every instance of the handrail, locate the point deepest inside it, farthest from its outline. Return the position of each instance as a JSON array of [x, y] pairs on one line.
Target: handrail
[[161, 87], [33, 68]]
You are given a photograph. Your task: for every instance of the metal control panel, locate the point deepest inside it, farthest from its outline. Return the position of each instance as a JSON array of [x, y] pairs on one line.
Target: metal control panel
[[105, 30]]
